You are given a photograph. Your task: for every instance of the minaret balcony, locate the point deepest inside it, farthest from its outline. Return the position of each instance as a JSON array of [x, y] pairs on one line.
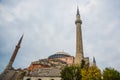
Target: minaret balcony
[[78, 21]]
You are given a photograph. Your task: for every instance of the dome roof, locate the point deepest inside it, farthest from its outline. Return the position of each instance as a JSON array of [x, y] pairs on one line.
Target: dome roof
[[59, 55]]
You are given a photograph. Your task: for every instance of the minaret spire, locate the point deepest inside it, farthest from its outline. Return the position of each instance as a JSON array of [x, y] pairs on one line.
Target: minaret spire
[[79, 45], [20, 40], [14, 54], [78, 11]]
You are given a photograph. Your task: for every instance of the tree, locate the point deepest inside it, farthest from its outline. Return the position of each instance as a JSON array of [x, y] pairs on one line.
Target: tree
[[71, 73], [111, 74], [91, 73]]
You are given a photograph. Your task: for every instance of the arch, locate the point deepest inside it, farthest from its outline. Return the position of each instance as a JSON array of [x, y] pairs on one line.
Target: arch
[[28, 79]]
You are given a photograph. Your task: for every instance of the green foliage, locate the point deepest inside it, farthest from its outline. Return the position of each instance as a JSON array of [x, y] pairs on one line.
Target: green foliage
[[92, 73], [111, 74], [71, 73], [76, 72]]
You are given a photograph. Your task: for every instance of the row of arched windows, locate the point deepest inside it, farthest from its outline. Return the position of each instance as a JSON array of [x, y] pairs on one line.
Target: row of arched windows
[[38, 79]]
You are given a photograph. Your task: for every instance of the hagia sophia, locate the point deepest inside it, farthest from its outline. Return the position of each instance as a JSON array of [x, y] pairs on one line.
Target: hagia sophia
[[48, 68]]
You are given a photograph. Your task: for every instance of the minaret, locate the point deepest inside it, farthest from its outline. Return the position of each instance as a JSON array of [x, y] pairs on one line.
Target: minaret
[[9, 66], [94, 61], [79, 46]]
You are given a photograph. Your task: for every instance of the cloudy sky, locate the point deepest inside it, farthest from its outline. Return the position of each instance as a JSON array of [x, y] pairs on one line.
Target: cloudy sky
[[49, 26]]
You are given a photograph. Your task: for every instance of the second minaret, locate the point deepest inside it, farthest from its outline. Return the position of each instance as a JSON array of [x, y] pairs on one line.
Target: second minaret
[[9, 66]]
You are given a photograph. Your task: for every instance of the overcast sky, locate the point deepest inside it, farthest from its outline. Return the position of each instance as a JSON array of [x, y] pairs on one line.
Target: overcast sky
[[49, 27]]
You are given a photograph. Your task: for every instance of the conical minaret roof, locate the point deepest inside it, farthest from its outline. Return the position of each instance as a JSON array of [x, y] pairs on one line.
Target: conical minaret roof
[[94, 61], [78, 13]]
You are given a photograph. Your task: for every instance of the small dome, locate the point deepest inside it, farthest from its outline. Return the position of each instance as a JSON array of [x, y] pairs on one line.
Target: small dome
[[59, 55]]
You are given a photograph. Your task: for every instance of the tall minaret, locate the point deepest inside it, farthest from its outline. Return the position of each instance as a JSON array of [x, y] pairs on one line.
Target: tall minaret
[[9, 66], [79, 46]]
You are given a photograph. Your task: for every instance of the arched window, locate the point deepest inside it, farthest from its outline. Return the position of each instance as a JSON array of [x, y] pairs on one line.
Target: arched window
[[28, 79], [39, 79], [52, 79]]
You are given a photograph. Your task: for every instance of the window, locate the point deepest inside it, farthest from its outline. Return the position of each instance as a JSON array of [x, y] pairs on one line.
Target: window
[[52, 79], [39, 79], [28, 79]]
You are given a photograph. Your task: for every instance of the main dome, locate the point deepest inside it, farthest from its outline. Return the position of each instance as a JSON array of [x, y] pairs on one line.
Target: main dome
[[59, 55]]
